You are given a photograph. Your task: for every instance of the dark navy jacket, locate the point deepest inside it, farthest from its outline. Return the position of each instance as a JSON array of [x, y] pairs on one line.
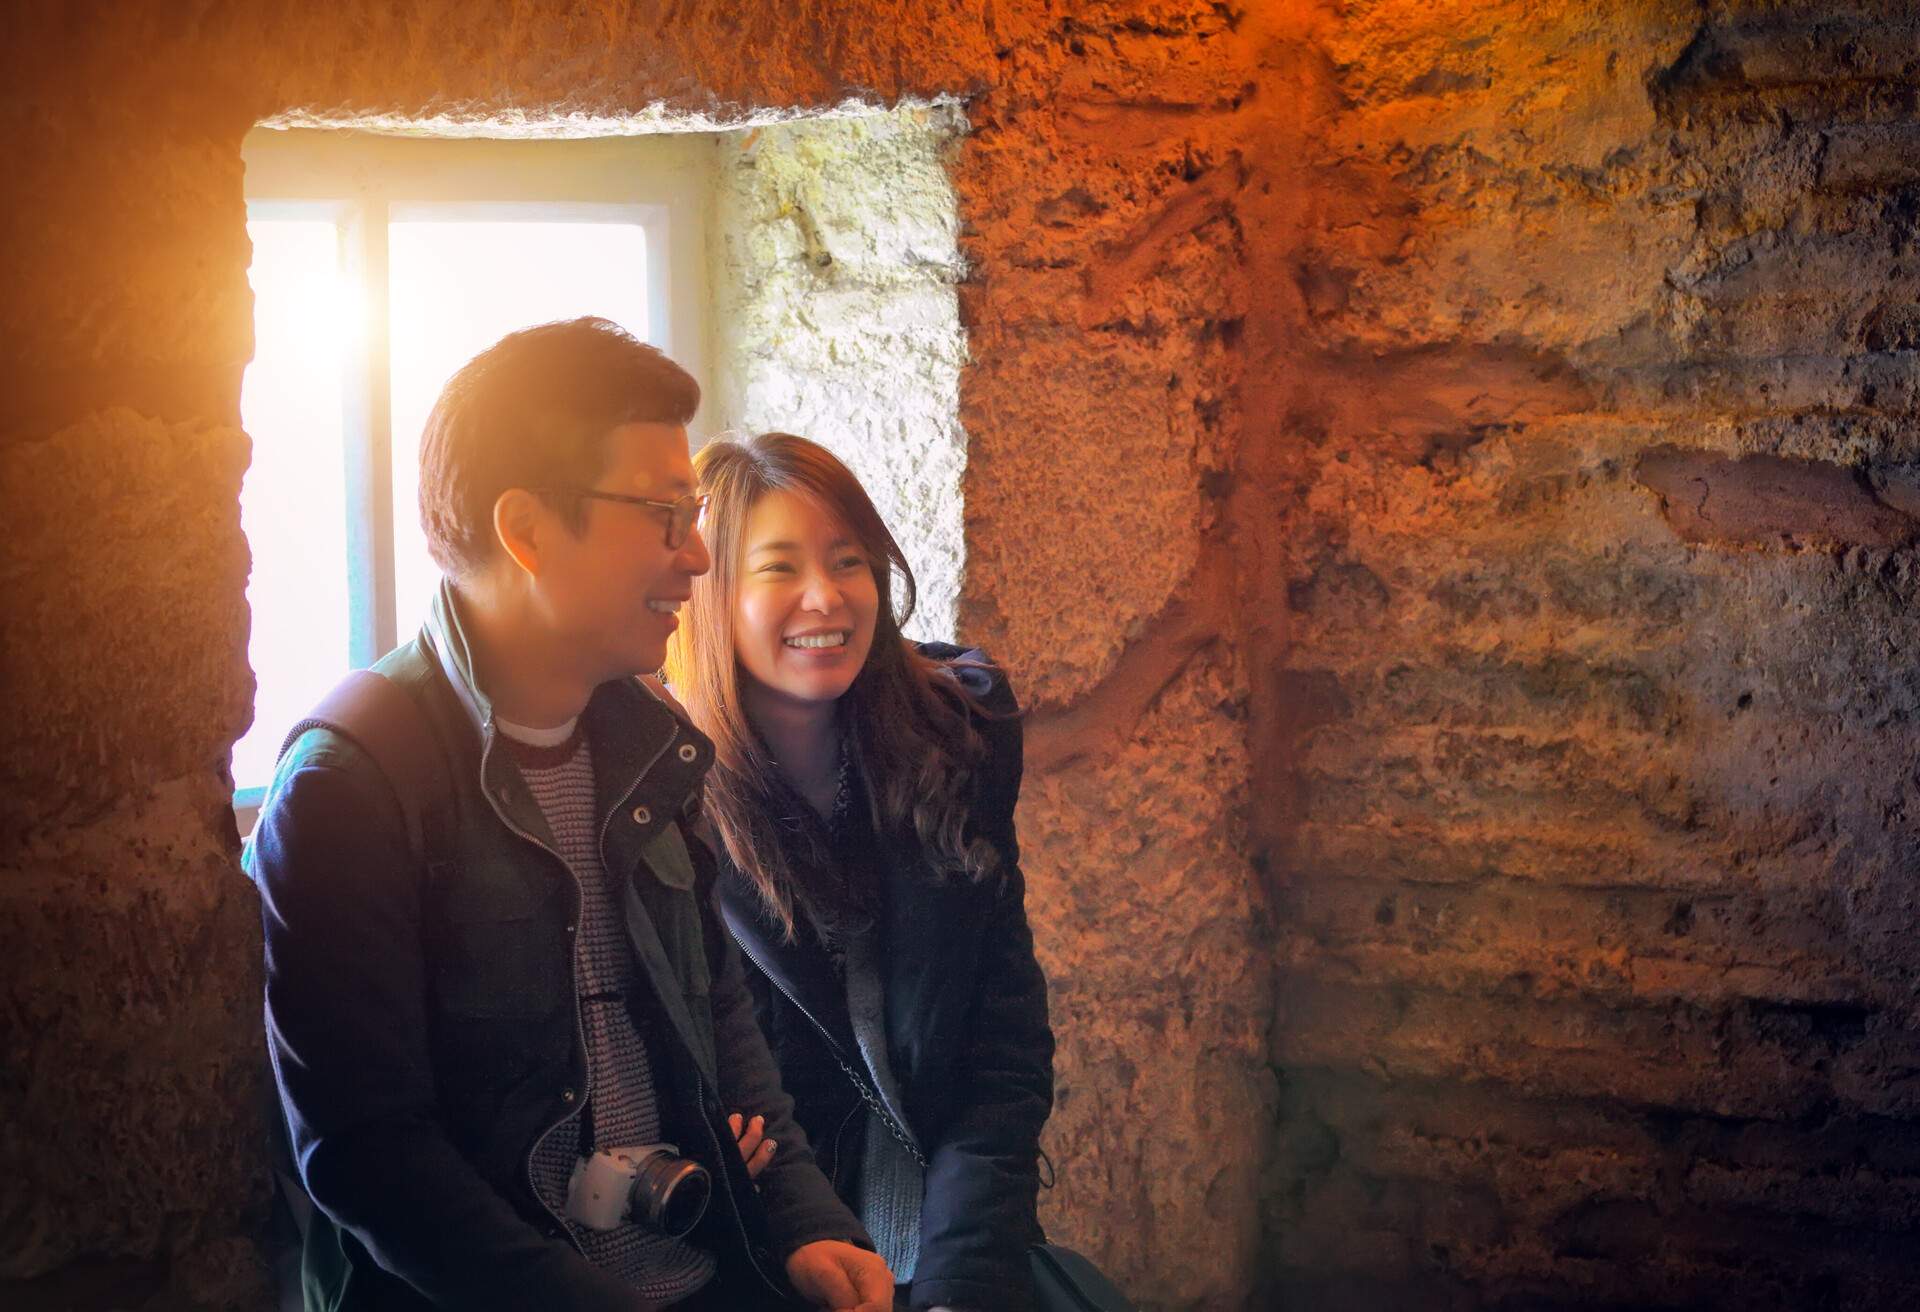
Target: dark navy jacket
[[966, 1013], [423, 1022]]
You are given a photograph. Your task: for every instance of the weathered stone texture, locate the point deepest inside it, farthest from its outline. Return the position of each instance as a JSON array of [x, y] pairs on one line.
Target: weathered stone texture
[[122, 527], [1104, 314], [1158, 987], [835, 262], [1595, 867], [1101, 284], [135, 1066], [161, 319], [1095, 191], [1336, 377], [130, 939]]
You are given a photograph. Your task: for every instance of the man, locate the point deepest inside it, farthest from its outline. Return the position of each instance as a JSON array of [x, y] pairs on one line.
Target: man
[[474, 986]]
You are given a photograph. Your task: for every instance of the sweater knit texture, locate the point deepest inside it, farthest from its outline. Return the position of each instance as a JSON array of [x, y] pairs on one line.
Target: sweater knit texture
[[891, 1185], [621, 1107], [892, 1181]]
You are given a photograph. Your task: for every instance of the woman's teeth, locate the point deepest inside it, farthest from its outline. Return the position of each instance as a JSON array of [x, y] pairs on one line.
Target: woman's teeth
[[664, 607], [813, 640]]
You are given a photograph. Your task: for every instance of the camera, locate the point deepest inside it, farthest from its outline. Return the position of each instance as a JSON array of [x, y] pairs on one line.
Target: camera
[[648, 1183]]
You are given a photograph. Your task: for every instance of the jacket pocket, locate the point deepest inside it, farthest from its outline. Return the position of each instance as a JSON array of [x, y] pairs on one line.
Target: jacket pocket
[[499, 944]]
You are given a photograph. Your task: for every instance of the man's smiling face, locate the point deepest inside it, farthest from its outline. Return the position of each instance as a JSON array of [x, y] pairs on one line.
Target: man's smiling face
[[611, 591]]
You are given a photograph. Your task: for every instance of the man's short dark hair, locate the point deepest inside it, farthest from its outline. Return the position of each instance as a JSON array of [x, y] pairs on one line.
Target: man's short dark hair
[[534, 410]]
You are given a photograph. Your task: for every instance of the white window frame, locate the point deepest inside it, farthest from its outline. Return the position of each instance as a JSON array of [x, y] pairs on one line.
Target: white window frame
[[363, 182]]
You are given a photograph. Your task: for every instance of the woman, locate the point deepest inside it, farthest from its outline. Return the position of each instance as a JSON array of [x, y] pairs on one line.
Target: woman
[[862, 801]]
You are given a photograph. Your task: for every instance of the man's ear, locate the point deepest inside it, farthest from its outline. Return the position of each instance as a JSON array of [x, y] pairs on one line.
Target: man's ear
[[520, 525]]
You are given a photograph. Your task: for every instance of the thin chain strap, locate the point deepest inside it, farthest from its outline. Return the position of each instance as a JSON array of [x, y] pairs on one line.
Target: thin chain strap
[[842, 807], [842, 792], [879, 1109]]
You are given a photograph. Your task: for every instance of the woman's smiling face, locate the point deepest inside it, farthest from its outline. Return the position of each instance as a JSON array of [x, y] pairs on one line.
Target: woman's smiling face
[[806, 603]]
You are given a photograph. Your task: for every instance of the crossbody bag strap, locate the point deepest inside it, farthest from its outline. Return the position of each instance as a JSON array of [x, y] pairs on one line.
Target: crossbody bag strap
[[879, 1108]]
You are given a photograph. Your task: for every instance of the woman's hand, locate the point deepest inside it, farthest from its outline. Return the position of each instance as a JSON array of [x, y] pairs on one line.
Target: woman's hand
[[832, 1274], [755, 1150]]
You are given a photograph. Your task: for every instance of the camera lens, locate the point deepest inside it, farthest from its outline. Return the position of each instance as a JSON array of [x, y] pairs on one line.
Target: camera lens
[[670, 1193]]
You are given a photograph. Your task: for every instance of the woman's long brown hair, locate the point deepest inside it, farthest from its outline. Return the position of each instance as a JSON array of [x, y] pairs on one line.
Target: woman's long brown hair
[[905, 716]]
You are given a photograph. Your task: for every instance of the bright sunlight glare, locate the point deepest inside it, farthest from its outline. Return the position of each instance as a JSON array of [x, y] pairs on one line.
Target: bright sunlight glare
[[293, 500], [455, 288]]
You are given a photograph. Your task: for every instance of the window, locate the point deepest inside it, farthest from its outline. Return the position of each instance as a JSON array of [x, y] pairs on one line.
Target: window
[[381, 265]]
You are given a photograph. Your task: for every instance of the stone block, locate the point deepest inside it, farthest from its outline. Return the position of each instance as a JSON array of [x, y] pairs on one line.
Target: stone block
[[125, 657], [1768, 501]]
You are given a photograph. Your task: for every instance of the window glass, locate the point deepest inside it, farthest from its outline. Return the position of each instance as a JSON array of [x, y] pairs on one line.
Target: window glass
[[456, 286], [292, 502]]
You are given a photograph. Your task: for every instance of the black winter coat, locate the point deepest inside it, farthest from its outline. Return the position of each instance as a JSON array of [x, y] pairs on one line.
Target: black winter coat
[[966, 1016], [423, 1022]]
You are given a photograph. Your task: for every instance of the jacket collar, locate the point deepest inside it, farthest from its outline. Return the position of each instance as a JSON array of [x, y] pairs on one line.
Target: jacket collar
[[797, 968], [643, 751], [446, 638]]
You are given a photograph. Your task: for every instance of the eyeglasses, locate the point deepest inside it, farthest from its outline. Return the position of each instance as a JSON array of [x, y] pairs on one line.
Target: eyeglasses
[[682, 512]]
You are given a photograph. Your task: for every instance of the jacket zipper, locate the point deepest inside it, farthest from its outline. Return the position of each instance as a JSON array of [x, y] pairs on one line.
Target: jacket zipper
[[573, 961], [733, 1208], [573, 981], [799, 1006], [699, 1081], [839, 1157], [825, 1038]]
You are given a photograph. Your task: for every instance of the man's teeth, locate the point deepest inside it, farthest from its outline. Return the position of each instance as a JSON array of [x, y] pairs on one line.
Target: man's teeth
[[819, 640], [664, 607]]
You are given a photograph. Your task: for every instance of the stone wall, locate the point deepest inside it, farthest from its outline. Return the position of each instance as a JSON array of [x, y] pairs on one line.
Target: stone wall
[[1100, 186], [835, 257], [129, 1105], [1442, 476], [1099, 420], [1595, 698]]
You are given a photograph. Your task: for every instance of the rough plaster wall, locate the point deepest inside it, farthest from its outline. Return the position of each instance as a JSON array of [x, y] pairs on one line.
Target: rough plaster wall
[[1099, 424], [1485, 427], [131, 987], [835, 260], [128, 1108], [1594, 694], [1100, 187]]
